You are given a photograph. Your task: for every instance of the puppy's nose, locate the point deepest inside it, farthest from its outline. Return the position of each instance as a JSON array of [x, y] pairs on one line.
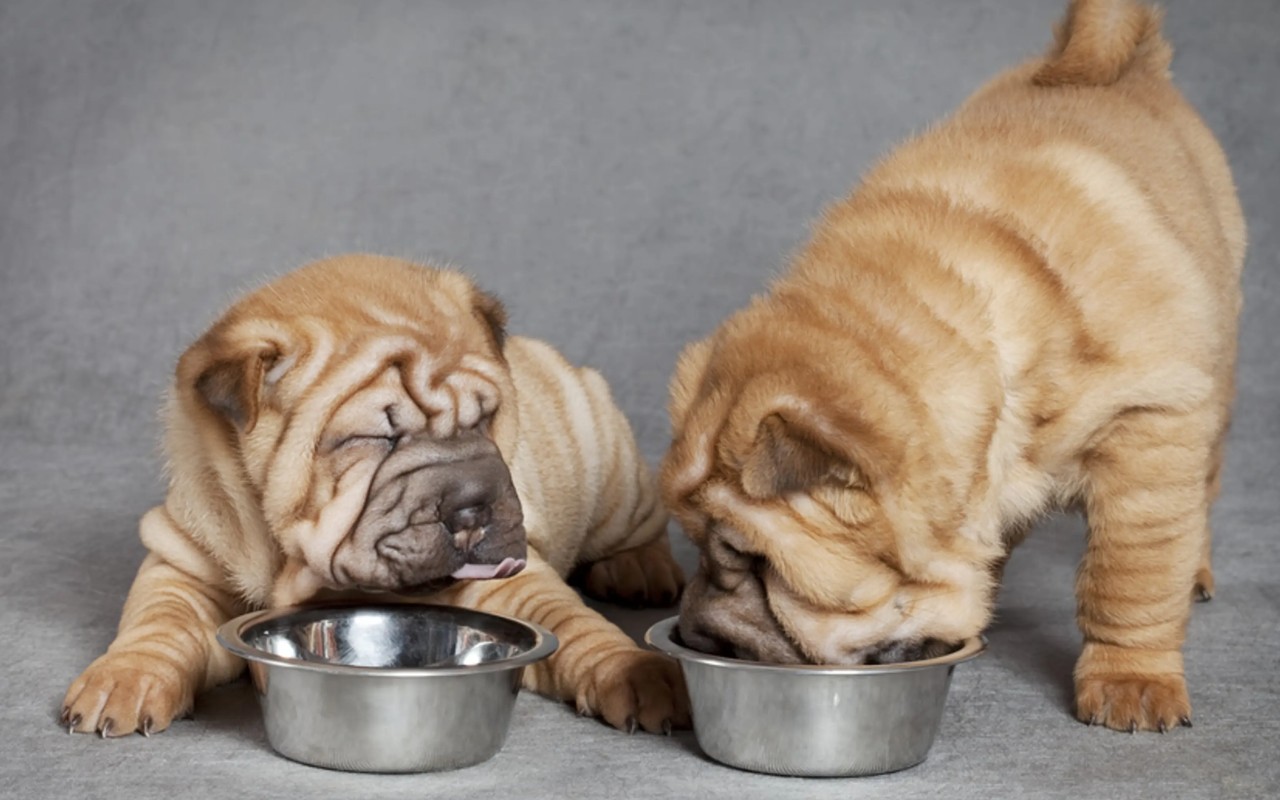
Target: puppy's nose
[[469, 518], [902, 652], [894, 653], [696, 636], [467, 526]]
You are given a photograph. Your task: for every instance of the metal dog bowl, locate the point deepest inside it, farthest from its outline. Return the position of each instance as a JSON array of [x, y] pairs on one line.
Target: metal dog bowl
[[386, 688], [814, 721]]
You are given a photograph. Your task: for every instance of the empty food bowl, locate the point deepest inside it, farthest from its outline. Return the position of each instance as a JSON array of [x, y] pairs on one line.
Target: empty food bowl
[[387, 687]]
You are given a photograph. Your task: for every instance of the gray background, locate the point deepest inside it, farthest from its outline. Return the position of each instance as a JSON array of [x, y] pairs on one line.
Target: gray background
[[623, 174]]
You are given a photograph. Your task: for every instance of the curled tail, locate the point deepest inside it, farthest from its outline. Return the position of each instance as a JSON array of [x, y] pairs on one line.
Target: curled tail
[[1098, 41]]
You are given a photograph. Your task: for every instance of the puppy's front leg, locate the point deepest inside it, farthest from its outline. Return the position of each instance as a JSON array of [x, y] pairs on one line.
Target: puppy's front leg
[[598, 667], [1148, 509], [164, 653]]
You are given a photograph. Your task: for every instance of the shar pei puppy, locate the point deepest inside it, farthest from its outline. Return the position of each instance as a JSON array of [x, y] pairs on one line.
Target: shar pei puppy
[[363, 425], [1033, 304]]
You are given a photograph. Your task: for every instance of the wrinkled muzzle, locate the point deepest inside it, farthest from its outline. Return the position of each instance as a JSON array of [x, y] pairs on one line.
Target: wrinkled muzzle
[[727, 610], [736, 621], [437, 510], [729, 615]]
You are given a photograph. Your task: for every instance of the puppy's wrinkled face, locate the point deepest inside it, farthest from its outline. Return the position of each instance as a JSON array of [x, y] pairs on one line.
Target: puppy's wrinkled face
[[434, 508], [361, 397], [823, 538]]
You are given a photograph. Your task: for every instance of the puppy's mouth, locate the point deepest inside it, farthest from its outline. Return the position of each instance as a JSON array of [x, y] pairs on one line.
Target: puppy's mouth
[[467, 572]]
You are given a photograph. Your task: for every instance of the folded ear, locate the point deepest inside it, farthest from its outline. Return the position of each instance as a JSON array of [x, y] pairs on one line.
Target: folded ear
[[792, 454], [494, 315], [230, 384]]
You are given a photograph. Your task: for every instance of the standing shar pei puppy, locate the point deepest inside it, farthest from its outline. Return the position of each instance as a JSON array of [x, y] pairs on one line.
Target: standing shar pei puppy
[[1034, 304], [363, 425]]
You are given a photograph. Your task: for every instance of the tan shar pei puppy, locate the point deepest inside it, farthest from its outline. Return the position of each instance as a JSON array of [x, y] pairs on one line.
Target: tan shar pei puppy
[[1033, 304], [364, 425]]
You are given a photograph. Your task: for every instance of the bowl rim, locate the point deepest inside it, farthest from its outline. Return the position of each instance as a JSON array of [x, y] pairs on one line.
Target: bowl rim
[[660, 636], [231, 636]]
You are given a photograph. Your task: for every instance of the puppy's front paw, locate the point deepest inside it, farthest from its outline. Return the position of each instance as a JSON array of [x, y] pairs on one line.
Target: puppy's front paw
[[125, 692], [1131, 690], [633, 688], [1134, 703]]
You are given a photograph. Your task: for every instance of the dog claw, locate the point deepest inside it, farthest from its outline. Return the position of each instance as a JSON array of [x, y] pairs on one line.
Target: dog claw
[[65, 716], [146, 727], [630, 725], [105, 730], [666, 727], [1186, 722], [72, 723], [1133, 727]]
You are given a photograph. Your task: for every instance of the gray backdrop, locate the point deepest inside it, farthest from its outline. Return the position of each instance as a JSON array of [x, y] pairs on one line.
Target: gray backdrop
[[623, 174]]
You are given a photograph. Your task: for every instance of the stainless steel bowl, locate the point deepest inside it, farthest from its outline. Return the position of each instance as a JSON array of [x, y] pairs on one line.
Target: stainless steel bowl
[[386, 688], [814, 721]]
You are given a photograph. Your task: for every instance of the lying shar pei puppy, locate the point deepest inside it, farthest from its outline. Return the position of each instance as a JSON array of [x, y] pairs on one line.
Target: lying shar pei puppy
[[1034, 304], [363, 425]]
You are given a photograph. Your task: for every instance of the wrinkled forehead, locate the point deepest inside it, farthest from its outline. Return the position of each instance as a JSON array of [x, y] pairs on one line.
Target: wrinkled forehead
[[322, 375], [385, 399], [320, 361]]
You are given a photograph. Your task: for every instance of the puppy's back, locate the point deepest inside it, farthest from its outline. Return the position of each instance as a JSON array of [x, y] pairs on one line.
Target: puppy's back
[[1091, 157], [589, 491]]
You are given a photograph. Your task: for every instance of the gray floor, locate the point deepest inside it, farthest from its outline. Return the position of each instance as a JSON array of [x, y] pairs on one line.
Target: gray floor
[[623, 174]]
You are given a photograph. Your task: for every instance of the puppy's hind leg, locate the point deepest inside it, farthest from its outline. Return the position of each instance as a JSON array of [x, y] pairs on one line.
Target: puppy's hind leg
[[643, 577], [1205, 585], [639, 571], [626, 558]]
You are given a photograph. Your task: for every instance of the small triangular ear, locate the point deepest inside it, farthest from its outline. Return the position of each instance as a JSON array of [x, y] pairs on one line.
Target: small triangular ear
[[232, 387], [791, 457], [494, 314]]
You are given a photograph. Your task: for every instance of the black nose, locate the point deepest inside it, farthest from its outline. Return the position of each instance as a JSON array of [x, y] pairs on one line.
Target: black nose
[[470, 518], [697, 637], [895, 653], [902, 652]]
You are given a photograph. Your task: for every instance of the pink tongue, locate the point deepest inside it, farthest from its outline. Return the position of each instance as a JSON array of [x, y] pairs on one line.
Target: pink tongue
[[484, 572]]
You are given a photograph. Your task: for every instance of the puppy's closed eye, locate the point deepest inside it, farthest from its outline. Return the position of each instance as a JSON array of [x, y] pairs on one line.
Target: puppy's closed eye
[[389, 434], [364, 440]]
